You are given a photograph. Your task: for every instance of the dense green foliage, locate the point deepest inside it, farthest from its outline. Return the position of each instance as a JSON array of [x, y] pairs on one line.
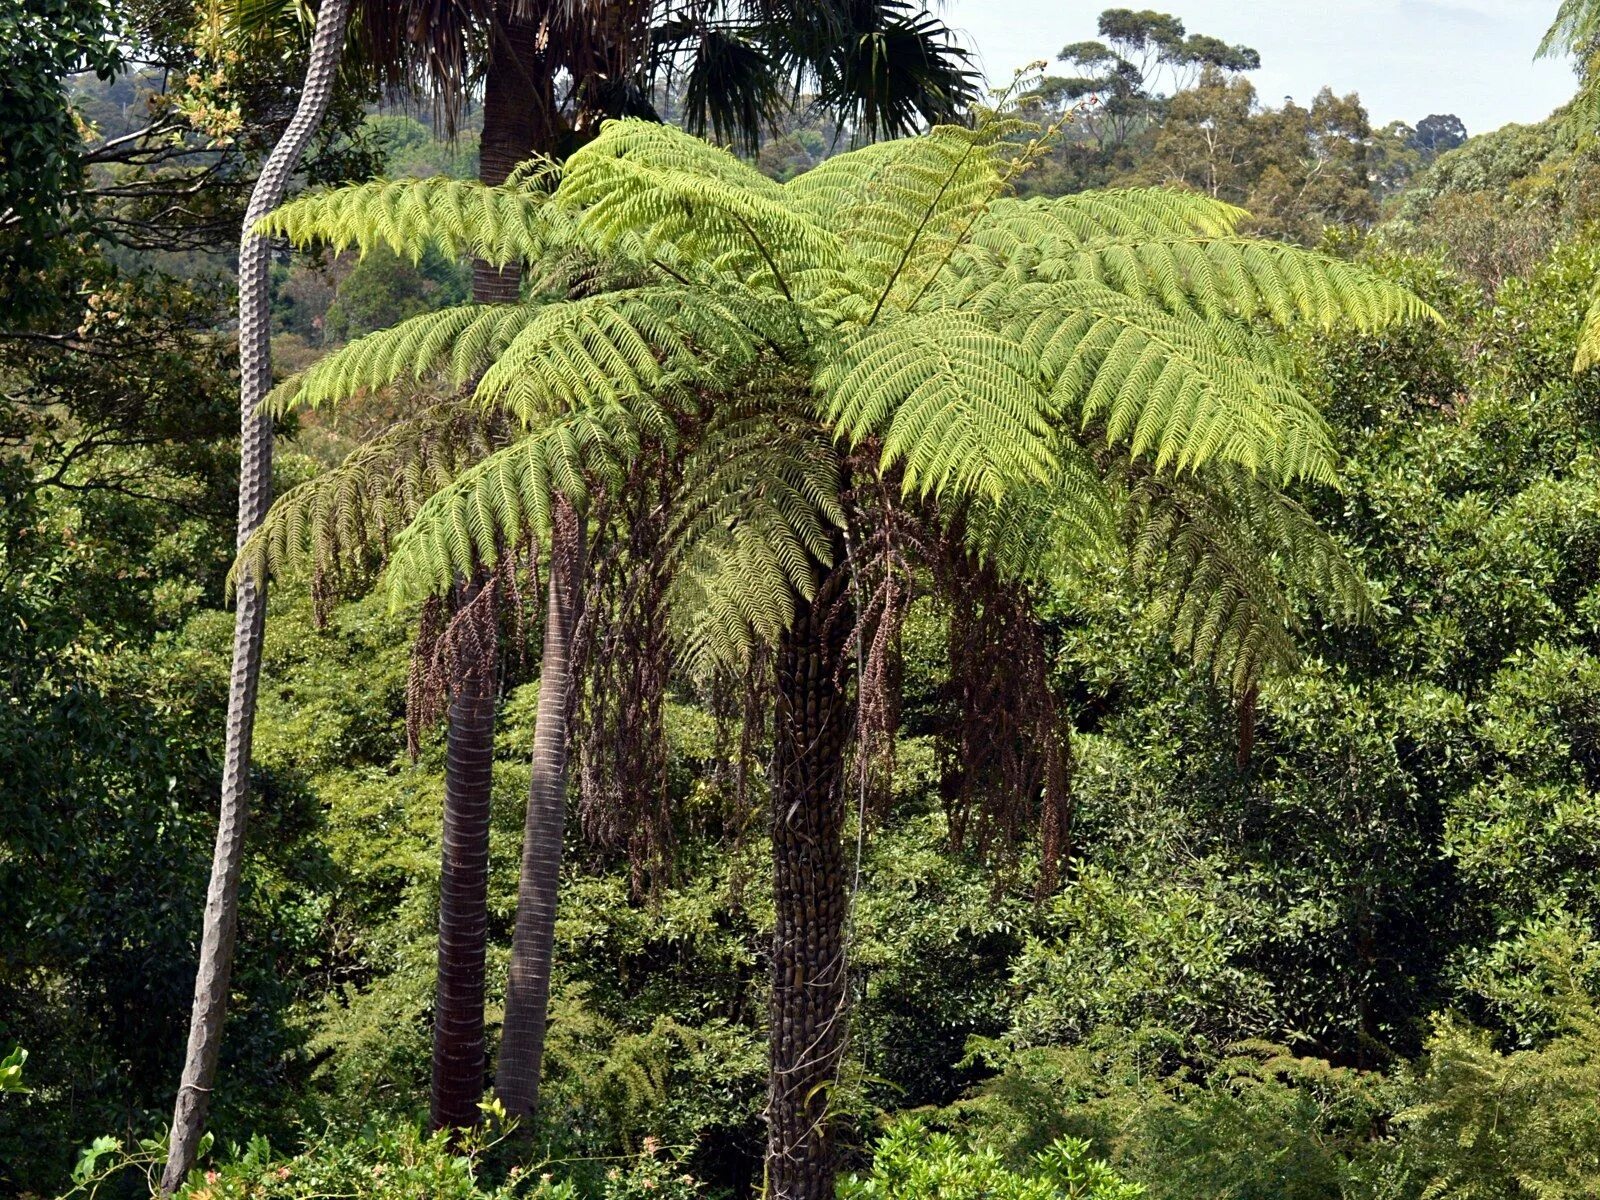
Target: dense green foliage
[[1341, 941]]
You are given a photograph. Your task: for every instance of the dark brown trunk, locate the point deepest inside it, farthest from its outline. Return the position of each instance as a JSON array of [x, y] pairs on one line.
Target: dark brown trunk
[[458, 1037], [220, 924], [1247, 726], [517, 1074], [811, 724], [513, 119], [518, 104]]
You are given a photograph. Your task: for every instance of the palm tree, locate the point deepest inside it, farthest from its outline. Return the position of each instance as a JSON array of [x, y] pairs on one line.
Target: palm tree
[[978, 359], [255, 496]]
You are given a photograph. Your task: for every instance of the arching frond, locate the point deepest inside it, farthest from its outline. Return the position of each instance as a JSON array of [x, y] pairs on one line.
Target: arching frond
[[512, 223], [1227, 560], [343, 521], [1058, 225], [454, 344], [628, 345], [657, 192], [489, 507], [1589, 335], [902, 206], [1242, 278], [1164, 384], [956, 404]]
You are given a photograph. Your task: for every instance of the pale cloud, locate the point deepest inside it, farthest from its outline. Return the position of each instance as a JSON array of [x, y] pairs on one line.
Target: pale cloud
[[1407, 58]]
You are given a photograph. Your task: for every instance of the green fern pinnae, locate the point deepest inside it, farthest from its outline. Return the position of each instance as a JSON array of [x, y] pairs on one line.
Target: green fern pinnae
[[1030, 533], [511, 223], [631, 345], [656, 191], [1225, 559], [1164, 384], [901, 206], [1589, 335], [452, 345], [1055, 227], [342, 521], [955, 404], [732, 593], [1242, 278], [492, 506]]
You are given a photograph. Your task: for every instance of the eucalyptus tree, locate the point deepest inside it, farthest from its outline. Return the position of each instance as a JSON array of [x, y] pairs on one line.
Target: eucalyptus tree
[[896, 335], [255, 495]]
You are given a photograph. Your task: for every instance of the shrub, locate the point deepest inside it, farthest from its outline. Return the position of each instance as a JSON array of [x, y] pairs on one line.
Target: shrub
[[910, 1163]]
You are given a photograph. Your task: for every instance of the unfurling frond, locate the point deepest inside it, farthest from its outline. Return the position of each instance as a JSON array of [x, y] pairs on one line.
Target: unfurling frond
[[1227, 560], [493, 506], [512, 223], [342, 522]]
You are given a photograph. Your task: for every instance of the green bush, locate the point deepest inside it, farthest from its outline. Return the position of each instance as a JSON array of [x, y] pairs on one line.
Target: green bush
[[394, 1162], [910, 1163]]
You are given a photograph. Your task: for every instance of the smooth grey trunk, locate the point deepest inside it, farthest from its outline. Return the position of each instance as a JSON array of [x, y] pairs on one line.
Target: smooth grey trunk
[[255, 496], [533, 938]]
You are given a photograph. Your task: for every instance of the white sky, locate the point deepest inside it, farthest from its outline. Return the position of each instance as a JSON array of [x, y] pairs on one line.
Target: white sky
[[1407, 58]]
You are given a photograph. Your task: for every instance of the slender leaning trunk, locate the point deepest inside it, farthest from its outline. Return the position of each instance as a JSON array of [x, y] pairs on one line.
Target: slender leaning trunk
[[811, 724], [255, 496], [533, 938], [459, 1054]]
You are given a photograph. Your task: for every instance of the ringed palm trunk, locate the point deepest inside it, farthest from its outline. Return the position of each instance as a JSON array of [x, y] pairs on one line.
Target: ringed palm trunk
[[533, 938], [255, 497], [811, 724], [519, 103], [513, 117]]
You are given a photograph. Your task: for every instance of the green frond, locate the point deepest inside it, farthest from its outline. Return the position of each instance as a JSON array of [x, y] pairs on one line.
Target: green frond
[[658, 193], [490, 506], [343, 521], [1589, 335], [511, 223], [1031, 532], [1058, 225], [1227, 560], [631, 345], [956, 404], [1163, 384], [454, 344], [902, 206], [755, 521], [1242, 278]]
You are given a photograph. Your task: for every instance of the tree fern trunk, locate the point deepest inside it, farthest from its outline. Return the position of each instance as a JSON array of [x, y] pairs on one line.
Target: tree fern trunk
[[458, 1036], [255, 496], [810, 727], [532, 945]]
